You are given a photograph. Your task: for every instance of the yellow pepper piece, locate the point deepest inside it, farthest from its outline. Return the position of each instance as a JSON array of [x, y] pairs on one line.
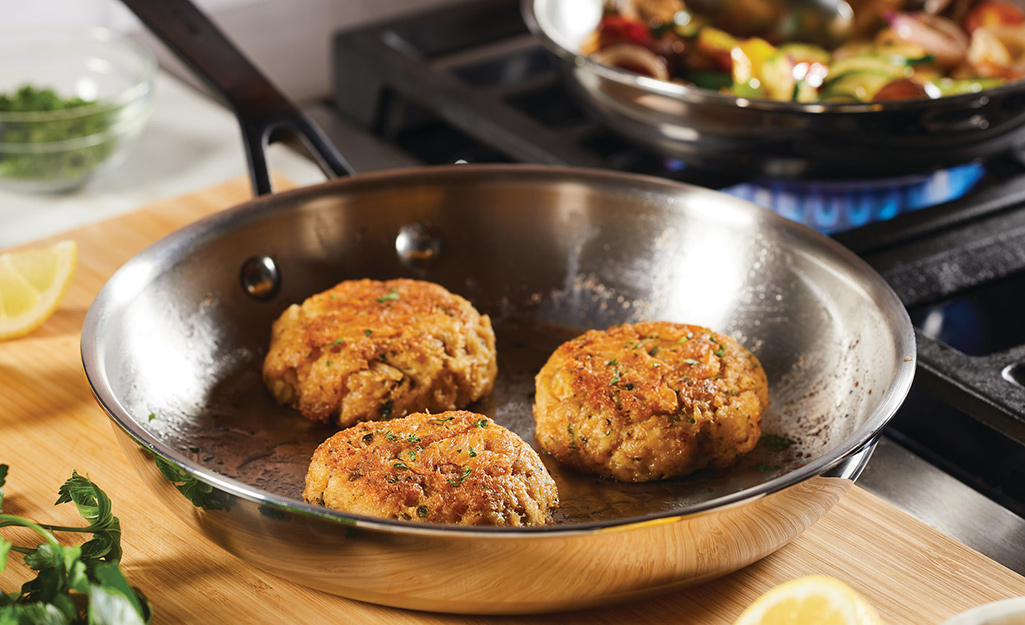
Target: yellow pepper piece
[[748, 58]]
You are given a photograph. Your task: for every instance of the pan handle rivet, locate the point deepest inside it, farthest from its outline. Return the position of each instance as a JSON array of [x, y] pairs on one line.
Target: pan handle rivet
[[418, 244], [1015, 373], [260, 277]]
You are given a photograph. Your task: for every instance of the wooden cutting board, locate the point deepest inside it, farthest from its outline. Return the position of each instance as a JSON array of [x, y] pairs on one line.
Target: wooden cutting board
[[50, 424]]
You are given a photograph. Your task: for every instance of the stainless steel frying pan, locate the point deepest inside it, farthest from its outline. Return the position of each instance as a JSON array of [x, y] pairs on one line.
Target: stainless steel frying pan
[[546, 252], [777, 139]]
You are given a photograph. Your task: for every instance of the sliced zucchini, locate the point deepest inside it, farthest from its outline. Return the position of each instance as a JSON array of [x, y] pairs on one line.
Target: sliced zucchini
[[806, 52], [709, 80], [687, 25], [860, 85], [913, 54], [805, 92], [957, 87]]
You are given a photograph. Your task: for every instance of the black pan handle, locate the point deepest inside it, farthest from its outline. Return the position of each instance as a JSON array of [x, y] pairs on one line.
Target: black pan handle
[[263, 112]]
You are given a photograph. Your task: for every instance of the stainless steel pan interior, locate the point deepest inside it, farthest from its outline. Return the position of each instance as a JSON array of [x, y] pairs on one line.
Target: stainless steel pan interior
[[172, 347], [547, 253], [777, 139]]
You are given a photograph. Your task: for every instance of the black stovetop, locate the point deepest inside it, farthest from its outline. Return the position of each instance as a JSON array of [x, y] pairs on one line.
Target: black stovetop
[[470, 83]]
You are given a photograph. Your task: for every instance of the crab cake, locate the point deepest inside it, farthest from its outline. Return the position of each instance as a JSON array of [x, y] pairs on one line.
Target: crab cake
[[647, 401], [368, 350], [454, 467]]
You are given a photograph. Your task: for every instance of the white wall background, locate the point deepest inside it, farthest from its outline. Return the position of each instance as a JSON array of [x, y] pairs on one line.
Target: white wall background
[[290, 40]]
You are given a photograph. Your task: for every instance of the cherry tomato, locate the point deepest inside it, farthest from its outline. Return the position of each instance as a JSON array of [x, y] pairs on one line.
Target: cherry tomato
[[993, 13], [615, 29]]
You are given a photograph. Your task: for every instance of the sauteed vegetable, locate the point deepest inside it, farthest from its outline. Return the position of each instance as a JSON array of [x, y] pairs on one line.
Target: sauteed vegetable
[[900, 50]]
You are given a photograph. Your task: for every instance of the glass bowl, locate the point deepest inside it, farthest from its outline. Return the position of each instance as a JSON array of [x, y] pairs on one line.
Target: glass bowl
[[60, 150]]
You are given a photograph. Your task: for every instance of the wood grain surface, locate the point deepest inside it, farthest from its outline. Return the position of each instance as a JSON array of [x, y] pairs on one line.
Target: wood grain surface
[[50, 424]]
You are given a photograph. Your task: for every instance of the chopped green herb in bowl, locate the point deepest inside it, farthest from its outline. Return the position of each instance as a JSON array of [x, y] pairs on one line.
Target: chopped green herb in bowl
[[66, 146], [70, 104]]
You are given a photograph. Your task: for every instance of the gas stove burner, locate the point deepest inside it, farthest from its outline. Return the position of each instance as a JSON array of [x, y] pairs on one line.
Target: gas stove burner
[[469, 82], [832, 207]]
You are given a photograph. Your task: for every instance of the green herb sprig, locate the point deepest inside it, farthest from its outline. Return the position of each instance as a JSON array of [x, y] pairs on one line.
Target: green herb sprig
[[74, 585], [390, 296], [777, 443], [462, 477], [67, 164]]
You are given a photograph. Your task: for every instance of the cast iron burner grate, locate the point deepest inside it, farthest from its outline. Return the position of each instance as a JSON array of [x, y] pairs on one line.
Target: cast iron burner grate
[[470, 83]]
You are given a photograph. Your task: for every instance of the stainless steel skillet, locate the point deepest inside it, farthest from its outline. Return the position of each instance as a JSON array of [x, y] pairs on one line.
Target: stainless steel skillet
[[546, 252], [777, 139]]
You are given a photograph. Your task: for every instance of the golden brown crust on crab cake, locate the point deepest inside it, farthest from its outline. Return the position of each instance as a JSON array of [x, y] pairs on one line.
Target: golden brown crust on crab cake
[[368, 350], [454, 467], [648, 401]]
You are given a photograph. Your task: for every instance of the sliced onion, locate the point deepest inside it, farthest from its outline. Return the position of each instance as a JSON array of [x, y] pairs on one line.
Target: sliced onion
[[939, 36], [997, 51], [636, 59], [1013, 38], [987, 51], [935, 7], [658, 11]]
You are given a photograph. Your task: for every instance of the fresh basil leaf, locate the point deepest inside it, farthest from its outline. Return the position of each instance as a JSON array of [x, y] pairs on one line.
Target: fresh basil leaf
[[71, 555], [32, 614], [92, 503], [108, 606], [51, 584], [201, 494], [776, 443], [64, 603], [94, 506], [47, 585], [46, 556], [5, 548], [105, 546], [111, 577], [78, 579], [74, 585]]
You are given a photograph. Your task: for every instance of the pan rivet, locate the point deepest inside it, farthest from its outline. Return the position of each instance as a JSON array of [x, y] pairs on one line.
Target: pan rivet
[[418, 245], [260, 277], [1015, 373]]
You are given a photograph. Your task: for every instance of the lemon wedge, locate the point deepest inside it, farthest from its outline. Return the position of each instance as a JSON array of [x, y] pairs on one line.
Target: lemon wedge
[[32, 283], [812, 600]]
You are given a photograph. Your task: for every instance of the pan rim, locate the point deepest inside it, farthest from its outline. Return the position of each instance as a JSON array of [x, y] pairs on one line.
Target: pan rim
[[135, 269], [696, 95]]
